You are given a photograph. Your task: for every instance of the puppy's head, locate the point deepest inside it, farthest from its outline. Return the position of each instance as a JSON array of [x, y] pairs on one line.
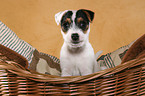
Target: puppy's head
[[75, 26]]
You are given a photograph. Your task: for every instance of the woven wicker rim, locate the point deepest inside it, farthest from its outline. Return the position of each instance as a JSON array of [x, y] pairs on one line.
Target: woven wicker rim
[[21, 71]]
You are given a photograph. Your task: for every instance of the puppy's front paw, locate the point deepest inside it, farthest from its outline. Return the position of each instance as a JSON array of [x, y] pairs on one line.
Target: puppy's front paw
[[64, 75]]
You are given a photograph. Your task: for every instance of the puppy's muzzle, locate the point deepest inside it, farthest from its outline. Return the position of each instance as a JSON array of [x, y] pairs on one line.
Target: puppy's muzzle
[[75, 38]]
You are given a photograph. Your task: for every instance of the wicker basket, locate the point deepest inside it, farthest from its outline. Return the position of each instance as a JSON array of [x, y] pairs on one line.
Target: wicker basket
[[125, 79], [16, 79]]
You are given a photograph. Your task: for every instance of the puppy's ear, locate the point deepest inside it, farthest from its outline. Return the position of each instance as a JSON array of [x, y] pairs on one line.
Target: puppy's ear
[[89, 14], [58, 16]]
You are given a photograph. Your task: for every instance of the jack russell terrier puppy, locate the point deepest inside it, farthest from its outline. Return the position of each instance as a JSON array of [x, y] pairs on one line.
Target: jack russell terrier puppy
[[77, 56]]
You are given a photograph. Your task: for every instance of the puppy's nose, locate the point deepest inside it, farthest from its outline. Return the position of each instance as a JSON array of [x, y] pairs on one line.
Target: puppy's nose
[[75, 36]]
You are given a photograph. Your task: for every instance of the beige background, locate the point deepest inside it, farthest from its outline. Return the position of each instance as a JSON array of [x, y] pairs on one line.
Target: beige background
[[116, 22]]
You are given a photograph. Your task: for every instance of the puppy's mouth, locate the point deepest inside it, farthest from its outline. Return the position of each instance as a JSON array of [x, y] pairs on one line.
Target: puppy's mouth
[[76, 44]]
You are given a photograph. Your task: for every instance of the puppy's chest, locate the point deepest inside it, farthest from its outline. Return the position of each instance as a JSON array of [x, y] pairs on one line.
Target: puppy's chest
[[78, 58]]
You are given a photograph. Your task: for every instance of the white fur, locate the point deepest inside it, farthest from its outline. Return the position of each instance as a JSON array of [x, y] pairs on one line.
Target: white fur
[[76, 59], [58, 16]]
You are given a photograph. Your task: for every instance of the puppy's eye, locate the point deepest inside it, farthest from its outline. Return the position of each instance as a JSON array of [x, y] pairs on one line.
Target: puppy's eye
[[65, 26], [83, 25]]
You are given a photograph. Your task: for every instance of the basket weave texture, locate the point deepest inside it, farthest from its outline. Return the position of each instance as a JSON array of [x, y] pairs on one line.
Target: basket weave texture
[[125, 79]]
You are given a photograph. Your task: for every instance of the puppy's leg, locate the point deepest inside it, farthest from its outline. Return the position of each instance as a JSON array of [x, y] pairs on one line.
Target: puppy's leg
[[66, 68], [86, 67], [86, 71], [65, 72]]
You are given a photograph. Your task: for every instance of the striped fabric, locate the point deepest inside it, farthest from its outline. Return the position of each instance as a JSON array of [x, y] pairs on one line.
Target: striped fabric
[[114, 58], [9, 39], [105, 61], [108, 61]]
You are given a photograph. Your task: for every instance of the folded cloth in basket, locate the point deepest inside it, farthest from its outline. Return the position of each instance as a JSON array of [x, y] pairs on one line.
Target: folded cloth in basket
[[112, 59], [10, 40]]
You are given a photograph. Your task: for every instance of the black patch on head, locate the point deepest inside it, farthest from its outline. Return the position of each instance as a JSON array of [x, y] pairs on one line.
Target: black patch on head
[[89, 14], [66, 21], [86, 17]]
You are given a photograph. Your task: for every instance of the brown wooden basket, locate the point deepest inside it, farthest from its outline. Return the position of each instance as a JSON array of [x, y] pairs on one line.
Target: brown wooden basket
[[126, 79]]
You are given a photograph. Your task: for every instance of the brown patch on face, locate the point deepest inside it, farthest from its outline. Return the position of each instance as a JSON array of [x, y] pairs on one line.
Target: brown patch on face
[[68, 20], [66, 24], [80, 19], [82, 24], [85, 31]]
